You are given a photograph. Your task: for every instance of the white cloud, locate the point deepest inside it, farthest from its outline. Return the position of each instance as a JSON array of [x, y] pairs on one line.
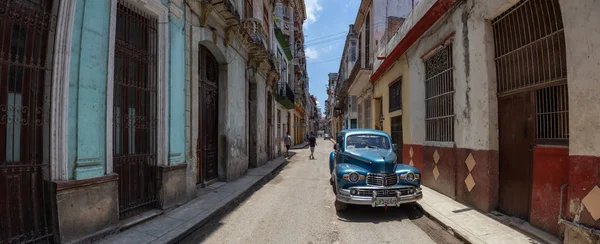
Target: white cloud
[[328, 48], [311, 53], [312, 11]]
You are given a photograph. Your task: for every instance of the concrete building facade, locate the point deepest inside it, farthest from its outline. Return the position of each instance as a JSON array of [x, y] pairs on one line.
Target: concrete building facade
[[492, 112]]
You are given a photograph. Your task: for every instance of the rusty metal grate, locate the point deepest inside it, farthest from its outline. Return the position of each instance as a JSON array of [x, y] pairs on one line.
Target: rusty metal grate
[[530, 46], [439, 96], [552, 112], [25, 85], [531, 57], [135, 109]]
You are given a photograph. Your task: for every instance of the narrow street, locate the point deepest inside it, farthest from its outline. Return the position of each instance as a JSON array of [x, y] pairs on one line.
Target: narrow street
[[297, 207]]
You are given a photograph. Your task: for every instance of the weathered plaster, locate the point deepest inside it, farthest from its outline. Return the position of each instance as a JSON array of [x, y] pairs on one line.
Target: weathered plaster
[[176, 90], [475, 103], [87, 93], [580, 19]]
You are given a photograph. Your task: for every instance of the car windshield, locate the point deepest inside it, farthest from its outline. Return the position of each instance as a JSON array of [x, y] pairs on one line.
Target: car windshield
[[367, 141]]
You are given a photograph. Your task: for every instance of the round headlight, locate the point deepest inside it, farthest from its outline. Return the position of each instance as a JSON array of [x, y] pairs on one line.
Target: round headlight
[[410, 177], [353, 177]]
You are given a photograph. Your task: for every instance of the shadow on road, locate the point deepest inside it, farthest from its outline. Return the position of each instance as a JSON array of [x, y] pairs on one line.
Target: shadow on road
[[368, 214]]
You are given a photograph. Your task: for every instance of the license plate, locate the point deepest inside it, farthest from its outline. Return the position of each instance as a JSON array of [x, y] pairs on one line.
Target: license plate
[[386, 201]]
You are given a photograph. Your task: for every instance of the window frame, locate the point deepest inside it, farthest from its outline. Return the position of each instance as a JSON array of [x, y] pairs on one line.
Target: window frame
[[395, 92], [439, 98]]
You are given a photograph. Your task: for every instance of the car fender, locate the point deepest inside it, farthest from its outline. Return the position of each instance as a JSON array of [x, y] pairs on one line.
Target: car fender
[[331, 161]]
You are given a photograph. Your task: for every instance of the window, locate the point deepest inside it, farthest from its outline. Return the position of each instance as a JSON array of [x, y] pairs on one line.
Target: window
[[367, 41], [363, 141], [248, 9], [353, 50], [439, 96], [395, 96], [368, 113], [266, 24]]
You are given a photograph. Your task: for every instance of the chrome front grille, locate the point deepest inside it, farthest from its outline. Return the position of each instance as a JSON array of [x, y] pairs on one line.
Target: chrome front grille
[[385, 192], [382, 179]]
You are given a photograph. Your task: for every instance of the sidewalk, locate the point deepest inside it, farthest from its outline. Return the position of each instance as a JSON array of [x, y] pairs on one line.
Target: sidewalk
[[172, 226], [299, 146], [467, 223]]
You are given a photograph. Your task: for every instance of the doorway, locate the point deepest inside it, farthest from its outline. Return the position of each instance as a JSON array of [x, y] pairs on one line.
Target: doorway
[[532, 94], [208, 124], [25, 85], [135, 109]]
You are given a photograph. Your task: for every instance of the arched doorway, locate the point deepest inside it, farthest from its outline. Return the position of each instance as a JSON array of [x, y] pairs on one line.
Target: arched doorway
[[208, 124], [25, 86]]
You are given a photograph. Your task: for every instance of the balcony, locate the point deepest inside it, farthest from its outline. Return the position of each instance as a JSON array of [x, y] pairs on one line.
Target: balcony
[[255, 38], [227, 10], [285, 95]]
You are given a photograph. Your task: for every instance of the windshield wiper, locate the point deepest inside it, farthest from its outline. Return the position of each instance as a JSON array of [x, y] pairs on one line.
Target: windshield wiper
[[373, 147]]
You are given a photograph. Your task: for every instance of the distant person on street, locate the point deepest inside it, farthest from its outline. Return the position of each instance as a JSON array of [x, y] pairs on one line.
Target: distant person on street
[[312, 141], [288, 142]]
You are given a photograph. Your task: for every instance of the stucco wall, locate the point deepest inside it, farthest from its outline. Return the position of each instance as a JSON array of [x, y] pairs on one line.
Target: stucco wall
[[582, 36], [87, 90], [381, 89], [176, 91], [475, 105], [261, 120]]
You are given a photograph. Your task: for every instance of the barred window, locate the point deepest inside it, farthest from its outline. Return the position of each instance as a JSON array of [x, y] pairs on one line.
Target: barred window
[[395, 96], [439, 96]]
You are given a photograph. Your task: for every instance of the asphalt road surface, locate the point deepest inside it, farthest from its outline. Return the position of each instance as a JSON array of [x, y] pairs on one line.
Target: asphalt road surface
[[297, 207]]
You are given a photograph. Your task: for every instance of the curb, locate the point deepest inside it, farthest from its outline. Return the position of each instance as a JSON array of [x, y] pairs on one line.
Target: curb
[[233, 203], [447, 227]]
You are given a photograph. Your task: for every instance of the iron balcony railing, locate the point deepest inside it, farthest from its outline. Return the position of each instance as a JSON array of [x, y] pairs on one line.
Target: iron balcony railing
[[285, 94]]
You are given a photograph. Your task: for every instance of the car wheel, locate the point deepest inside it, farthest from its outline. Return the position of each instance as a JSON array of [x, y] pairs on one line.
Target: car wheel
[[340, 206]]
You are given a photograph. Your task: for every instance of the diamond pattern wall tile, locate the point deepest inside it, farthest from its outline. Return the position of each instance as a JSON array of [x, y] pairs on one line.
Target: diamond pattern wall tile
[[592, 202], [470, 162], [411, 163], [436, 172], [411, 152], [470, 182], [436, 157]]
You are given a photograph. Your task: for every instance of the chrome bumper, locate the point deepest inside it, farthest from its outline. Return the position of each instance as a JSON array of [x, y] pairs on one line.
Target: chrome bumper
[[345, 197]]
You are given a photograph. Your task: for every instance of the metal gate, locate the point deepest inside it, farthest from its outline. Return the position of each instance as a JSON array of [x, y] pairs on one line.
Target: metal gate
[[26, 33], [532, 93], [207, 151], [135, 109], [397, 136]]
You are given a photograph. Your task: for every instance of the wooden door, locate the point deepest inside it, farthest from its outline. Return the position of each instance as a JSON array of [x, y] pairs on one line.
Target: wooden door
[[516, 124], [207, 151]]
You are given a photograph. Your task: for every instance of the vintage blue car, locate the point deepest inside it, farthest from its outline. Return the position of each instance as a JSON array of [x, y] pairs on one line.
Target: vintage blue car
[[365, 171]]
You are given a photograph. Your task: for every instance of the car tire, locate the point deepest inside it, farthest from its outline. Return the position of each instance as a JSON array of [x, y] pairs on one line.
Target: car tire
[[340, 206]]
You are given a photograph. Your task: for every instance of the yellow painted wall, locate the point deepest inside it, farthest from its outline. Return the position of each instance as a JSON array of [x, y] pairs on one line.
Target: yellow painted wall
[[399, 70]]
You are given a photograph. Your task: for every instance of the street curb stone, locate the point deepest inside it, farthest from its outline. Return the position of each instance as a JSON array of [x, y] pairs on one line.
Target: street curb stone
[[446, 226]]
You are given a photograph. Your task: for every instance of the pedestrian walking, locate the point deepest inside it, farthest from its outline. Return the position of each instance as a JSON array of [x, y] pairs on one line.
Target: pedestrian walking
[[312, 141], [288, 142]]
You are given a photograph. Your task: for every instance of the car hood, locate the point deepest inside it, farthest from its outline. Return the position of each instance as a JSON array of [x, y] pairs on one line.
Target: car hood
[[381, 160]]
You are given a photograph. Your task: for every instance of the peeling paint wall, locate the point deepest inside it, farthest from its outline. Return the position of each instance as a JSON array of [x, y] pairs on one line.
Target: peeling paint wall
[[475, 104]]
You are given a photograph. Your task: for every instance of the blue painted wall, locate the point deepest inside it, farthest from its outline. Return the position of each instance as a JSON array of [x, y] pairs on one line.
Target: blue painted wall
[[87, 90], [176, 90]]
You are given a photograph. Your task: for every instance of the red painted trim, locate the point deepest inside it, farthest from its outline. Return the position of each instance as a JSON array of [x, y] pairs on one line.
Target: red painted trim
[[433, 15]]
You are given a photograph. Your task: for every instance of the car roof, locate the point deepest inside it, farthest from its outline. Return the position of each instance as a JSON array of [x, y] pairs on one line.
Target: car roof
[[348, 132]]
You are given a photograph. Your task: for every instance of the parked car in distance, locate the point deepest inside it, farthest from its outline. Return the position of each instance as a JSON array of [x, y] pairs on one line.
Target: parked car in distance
[[365, 171], [326, 136]]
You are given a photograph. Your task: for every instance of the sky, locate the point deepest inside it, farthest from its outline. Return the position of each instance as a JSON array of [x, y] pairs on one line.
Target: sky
[[325, 32]]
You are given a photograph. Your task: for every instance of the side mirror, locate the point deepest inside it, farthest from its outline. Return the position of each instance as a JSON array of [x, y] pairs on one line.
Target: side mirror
[[335, 147], [395, 146]]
